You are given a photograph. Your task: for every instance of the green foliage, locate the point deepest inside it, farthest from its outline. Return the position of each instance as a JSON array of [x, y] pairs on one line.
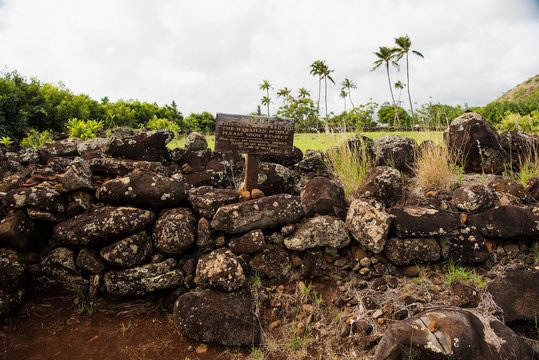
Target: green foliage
[[158, 124], [35, 138], [303, 111], [438, 115], [515, 121], [386, 115], [83, 129], [456, 273], [257, 281], [6, 141], [358, 118], [204, 122]]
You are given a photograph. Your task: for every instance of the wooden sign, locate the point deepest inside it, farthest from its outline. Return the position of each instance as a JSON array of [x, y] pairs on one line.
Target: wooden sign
[[254, 135]]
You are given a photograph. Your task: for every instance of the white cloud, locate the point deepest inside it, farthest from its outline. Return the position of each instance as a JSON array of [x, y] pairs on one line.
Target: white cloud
[[211, 55]]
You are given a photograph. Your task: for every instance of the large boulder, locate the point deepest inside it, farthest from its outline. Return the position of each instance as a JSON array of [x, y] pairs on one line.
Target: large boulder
[[102, 224], [249, 243], [465, 245], [395, 151], [415, 221], [274, 179], [272, 262], [144, 279], [77, 177], [286, 160], [58, 271], [205, 200], [40, 197], [322, 195], [147, 146], [382, 183], [217, 317], [88, 259], [27, 155], [143, 189], [506, 223], [18, 230], [312, 161], [196, 141], [96, 147], [510, 188], [221, 270], [409, 251], [264, 213], [444, 334], [368, 223], [123, 166], [319, 231], [472, 198], [12, 272], [518, 145], [477, 144], [516, 293], [174, 231], [128, 252]]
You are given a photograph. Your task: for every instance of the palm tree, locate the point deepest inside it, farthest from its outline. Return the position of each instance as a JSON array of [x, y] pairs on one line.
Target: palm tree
[[386, 55], [404, 43], [399, 86], [317, 70], [266, 85], [349, 84], [304, 93], [326, 75], [284, 93], [266, 101], [343, 95]]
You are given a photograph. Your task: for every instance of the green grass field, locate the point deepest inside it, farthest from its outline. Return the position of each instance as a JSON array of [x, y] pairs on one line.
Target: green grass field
[[323, 141]]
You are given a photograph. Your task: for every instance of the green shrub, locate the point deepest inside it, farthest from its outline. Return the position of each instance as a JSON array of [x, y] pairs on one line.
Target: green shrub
[[526, 123], [6, 141], [159, 124], [83, 129], [35, 138]]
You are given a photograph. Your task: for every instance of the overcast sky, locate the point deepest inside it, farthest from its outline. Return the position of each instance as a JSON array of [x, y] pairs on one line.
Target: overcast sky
[[212, 55]]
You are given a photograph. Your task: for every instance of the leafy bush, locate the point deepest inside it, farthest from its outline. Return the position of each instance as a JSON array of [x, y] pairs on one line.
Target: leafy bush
[[83, 129], [35, 138], [159, 124], [515, 121], [6, 141]]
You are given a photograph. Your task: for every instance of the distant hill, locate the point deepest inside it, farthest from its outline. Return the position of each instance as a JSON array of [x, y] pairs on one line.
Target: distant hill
[[523, 91]]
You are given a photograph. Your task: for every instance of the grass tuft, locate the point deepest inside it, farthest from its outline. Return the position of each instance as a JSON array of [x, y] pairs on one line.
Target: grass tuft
[[456, 273], [435, 168]]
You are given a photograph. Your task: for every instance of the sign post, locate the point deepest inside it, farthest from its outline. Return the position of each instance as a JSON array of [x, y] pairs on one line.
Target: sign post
[[253, 136]]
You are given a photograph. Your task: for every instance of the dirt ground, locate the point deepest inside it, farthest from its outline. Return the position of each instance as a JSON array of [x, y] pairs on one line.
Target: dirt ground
[[52, 327]]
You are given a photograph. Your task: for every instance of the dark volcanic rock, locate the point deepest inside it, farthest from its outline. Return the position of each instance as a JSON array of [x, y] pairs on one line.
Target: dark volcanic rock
[[92, 148], [206, 200], [272, 262], [416, 221], [383, 184], [10, 166], [19, 231], [174, 231], [12, 272], [144, 279], [148, 146], [77, 177], [286, 160], [131, 251], [89, 260], [506, 223], [274, 179], [58, 271], [61, 148], [319, 231], [249, 243], [102, 224], [472, 198], [412, 250], [123, 166], [264, 213], [41, 197], [477, 142], [517, 294], [28, 155], [464, 245], [322, 195], [511, 187], [517, 144], [533, 187], [221, 270], [312, 161], [217, 317], [196, 141], [449, 334], [368, 223], [395, 151], [205, 236], [143, 189]]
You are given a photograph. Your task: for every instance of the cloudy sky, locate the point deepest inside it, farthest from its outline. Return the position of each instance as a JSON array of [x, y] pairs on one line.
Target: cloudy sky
[[212, 55]]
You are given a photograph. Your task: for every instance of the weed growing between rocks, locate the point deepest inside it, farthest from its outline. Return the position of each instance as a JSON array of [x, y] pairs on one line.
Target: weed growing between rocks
[[435, 168], [349, 165], [456, 274]]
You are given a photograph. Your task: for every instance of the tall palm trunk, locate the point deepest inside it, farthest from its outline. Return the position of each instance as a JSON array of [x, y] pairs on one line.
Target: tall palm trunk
[[392, 97], [326, 102], [350, 97], [267, 91], [319, 92], [409, 97]]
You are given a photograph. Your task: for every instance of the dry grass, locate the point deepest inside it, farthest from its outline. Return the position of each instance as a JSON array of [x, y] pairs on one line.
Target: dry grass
[[349, 166], [435, 168]]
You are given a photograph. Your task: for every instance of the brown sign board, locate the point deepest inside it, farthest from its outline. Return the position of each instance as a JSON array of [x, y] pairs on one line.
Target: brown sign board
[[255, 135]]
